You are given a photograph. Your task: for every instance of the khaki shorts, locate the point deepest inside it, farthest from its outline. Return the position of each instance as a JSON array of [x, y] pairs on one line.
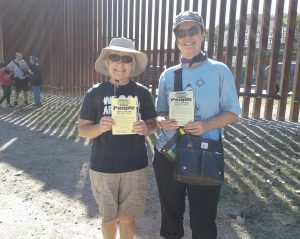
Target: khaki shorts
[[120, 192]]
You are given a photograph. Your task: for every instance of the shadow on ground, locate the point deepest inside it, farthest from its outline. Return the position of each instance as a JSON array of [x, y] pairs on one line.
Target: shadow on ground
[[262, 166]]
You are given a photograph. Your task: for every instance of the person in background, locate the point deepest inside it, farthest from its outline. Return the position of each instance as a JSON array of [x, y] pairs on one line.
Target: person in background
[[119, 163], [216, 105], [21, 76], [6, 82], [36, 79]]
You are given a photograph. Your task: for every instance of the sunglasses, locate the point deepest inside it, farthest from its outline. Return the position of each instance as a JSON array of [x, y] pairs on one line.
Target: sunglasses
[[189, 32], [116, 58]]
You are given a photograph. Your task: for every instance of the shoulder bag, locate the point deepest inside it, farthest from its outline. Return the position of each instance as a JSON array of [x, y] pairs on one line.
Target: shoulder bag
[[197, 161]]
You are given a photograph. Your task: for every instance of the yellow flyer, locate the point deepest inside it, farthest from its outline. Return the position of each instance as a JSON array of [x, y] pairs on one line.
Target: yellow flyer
[[124, 114], [182, 106]]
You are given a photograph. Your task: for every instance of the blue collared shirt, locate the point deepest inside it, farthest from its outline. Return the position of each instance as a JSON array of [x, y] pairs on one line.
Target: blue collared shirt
[[214, 90]]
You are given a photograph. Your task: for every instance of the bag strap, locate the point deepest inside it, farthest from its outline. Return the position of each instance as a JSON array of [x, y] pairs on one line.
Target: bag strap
[[178, 79], [178, 87], [18, 65], [23, 70]]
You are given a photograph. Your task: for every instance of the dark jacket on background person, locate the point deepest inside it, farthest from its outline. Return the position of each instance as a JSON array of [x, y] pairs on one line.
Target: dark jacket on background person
[[36, 77]]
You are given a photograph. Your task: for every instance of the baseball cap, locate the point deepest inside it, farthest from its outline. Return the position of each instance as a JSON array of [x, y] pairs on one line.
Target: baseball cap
[[188, 16], [34, 58]]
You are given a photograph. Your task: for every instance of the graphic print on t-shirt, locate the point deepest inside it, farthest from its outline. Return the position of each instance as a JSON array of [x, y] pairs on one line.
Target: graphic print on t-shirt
[[190, 87]]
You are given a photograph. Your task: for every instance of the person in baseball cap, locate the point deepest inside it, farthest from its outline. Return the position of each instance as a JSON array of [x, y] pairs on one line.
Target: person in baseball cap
[[193, 19], [34, 59], [216, 105]]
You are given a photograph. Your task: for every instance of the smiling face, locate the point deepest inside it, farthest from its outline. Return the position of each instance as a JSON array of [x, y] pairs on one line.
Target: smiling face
[[189, 44], [119, 69]]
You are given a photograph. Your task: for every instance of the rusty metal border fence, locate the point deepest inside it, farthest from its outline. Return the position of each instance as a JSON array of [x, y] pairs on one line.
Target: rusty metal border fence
[[68, 35]]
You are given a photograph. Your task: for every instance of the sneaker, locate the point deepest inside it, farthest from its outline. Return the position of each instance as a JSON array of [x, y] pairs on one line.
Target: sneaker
[[15, 104], [9, 105]]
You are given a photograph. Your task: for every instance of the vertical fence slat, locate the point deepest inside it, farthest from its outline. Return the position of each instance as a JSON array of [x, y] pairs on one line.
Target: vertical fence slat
[[250, 57], [261, 63], [104, 30], [91, 44], [295, 102], [125, 18], [169, 36], [148, 28], [65, 49], [143, 25], [186, 5], [111, 19], [94, 47], [1, 35], [143, 36], [99, 38], [155, 46], [162, 38], [203, 14], [230, 34], [120, 19], [104, 23], [287, 58], [176, 53], [131, 15], [137, 25], [274, 58], [211, 31], [82, 29], [70, 74], [195, 6], [238, 72], [115, 16], [220, 44]]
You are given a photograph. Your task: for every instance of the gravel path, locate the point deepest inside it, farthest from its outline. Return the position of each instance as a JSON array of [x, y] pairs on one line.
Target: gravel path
[[45, 190]]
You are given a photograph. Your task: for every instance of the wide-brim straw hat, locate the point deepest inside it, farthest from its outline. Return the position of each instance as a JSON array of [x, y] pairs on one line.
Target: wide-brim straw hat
[[122, 45]]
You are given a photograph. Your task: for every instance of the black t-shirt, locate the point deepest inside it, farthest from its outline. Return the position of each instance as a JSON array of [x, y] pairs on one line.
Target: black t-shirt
[[117, 153]]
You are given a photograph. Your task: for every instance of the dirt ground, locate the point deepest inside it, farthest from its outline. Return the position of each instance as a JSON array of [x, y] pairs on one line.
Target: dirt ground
[[45, 189]]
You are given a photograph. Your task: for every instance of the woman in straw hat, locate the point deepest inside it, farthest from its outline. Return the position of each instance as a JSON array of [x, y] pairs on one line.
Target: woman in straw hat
[[119, 163]]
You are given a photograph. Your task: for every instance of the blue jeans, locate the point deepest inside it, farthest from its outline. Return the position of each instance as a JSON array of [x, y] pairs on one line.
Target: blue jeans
[[203, 202], [36, 90]]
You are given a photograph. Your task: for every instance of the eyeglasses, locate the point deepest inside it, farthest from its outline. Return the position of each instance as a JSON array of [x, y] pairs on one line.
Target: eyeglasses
[[116, 58], [189, 32]]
